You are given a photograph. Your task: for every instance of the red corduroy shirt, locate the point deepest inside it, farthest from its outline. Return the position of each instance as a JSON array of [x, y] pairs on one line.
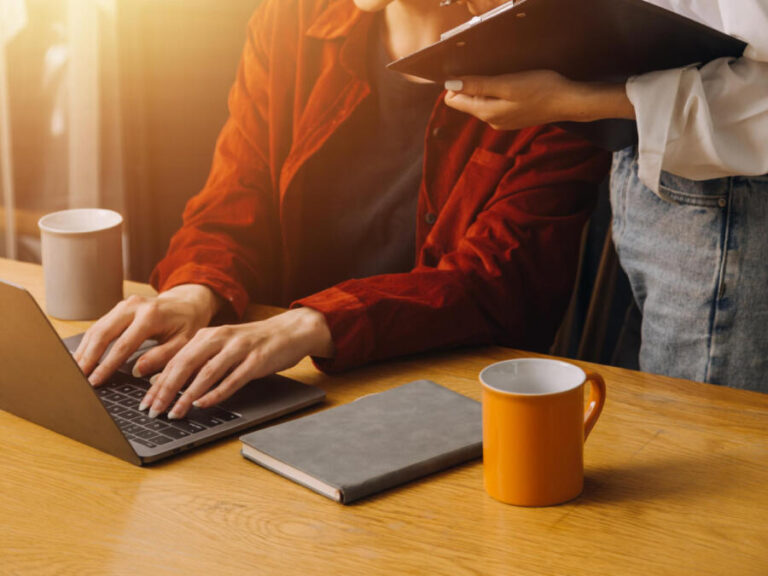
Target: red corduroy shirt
[[499, 218]]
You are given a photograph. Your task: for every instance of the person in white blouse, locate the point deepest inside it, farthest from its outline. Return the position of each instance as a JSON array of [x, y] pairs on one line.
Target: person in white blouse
[[690, 200]]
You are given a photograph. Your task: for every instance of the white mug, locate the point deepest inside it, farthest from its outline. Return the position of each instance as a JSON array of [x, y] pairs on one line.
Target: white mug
[[82, 262]]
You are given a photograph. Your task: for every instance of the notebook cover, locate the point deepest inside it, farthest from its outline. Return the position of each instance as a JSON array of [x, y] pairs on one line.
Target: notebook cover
[[378, 441]]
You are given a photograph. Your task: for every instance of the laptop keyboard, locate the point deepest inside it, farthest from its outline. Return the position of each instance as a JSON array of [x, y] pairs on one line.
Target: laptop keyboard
[[121, 398]]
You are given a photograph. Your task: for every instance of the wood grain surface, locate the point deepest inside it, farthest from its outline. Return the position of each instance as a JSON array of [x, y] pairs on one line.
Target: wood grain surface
[[676, 483]]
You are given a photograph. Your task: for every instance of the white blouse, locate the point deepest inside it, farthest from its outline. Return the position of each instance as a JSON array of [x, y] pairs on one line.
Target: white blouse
[[707, 122]]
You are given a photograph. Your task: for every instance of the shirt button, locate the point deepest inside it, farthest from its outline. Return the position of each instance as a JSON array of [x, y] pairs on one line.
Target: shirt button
[[722, 202], [438, 132], [430, 218]]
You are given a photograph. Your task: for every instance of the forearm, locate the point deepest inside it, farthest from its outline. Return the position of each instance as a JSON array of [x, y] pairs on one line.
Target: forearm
[[308, 329], [515, 101], [382, 317], [590, 102], [386, 316], [202, 299]]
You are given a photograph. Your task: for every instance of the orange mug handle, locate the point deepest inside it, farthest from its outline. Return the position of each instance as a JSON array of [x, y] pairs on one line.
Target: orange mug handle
[[596, 401]]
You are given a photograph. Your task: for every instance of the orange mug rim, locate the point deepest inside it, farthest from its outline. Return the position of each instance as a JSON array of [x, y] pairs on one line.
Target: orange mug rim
[[495, 390]]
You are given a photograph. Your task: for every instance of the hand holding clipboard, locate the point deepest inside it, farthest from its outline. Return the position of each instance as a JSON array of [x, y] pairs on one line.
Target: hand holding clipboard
[[588, 49]]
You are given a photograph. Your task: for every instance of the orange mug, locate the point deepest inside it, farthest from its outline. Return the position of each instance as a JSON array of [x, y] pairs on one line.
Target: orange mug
[[534, 427]]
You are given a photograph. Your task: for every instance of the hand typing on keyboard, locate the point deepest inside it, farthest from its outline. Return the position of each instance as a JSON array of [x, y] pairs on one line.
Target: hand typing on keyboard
[[215, 362], [172, 319], [235, 355]]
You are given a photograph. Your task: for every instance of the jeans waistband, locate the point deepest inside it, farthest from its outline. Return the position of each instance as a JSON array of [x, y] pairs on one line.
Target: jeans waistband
[[763, 178]]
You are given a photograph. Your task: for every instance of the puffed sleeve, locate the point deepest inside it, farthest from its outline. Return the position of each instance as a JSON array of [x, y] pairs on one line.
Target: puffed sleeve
[[712, 121]]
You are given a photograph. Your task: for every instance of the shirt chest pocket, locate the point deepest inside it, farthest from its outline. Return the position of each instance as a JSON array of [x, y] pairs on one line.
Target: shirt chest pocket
[[463, 202], [475, 187]]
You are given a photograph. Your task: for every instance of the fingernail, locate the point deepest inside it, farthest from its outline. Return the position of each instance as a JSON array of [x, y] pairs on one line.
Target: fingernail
[[153, 412], [154, 379], [454, 85], [144, 405], [94, 380], [136, 372], [197, 404], [173, 414]]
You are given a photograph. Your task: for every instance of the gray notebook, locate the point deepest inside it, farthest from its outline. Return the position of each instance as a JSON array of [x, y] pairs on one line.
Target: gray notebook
[[374, 443]]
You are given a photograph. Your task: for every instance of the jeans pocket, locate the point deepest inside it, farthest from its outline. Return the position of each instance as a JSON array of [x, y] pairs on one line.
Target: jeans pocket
[[704, 193]]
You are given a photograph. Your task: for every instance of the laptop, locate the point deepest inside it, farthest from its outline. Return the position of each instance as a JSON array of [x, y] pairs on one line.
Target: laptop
[[42, 383]]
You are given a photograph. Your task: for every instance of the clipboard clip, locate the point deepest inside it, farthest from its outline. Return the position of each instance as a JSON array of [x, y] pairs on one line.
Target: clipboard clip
[[509, 5]]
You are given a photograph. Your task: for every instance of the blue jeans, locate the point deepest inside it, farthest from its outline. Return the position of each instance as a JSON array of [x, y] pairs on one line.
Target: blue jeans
[[697, 260]]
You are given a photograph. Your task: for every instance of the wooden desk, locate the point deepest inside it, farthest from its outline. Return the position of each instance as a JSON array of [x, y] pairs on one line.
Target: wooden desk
[[676, 483]]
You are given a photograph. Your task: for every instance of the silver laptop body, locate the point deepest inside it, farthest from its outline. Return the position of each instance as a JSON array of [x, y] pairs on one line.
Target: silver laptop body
[[42, 383]]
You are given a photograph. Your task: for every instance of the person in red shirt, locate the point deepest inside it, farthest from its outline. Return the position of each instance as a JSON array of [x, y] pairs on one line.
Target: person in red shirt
[[390, 223]]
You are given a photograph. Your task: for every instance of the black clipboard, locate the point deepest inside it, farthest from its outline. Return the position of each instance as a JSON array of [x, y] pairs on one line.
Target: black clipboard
[[584, 40]]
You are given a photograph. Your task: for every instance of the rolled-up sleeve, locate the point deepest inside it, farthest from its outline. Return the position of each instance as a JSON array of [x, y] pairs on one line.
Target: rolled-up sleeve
[[702, 123], [709, 121]]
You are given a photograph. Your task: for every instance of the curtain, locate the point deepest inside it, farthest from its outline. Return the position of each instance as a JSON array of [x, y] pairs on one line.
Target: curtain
[[60, 141]]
